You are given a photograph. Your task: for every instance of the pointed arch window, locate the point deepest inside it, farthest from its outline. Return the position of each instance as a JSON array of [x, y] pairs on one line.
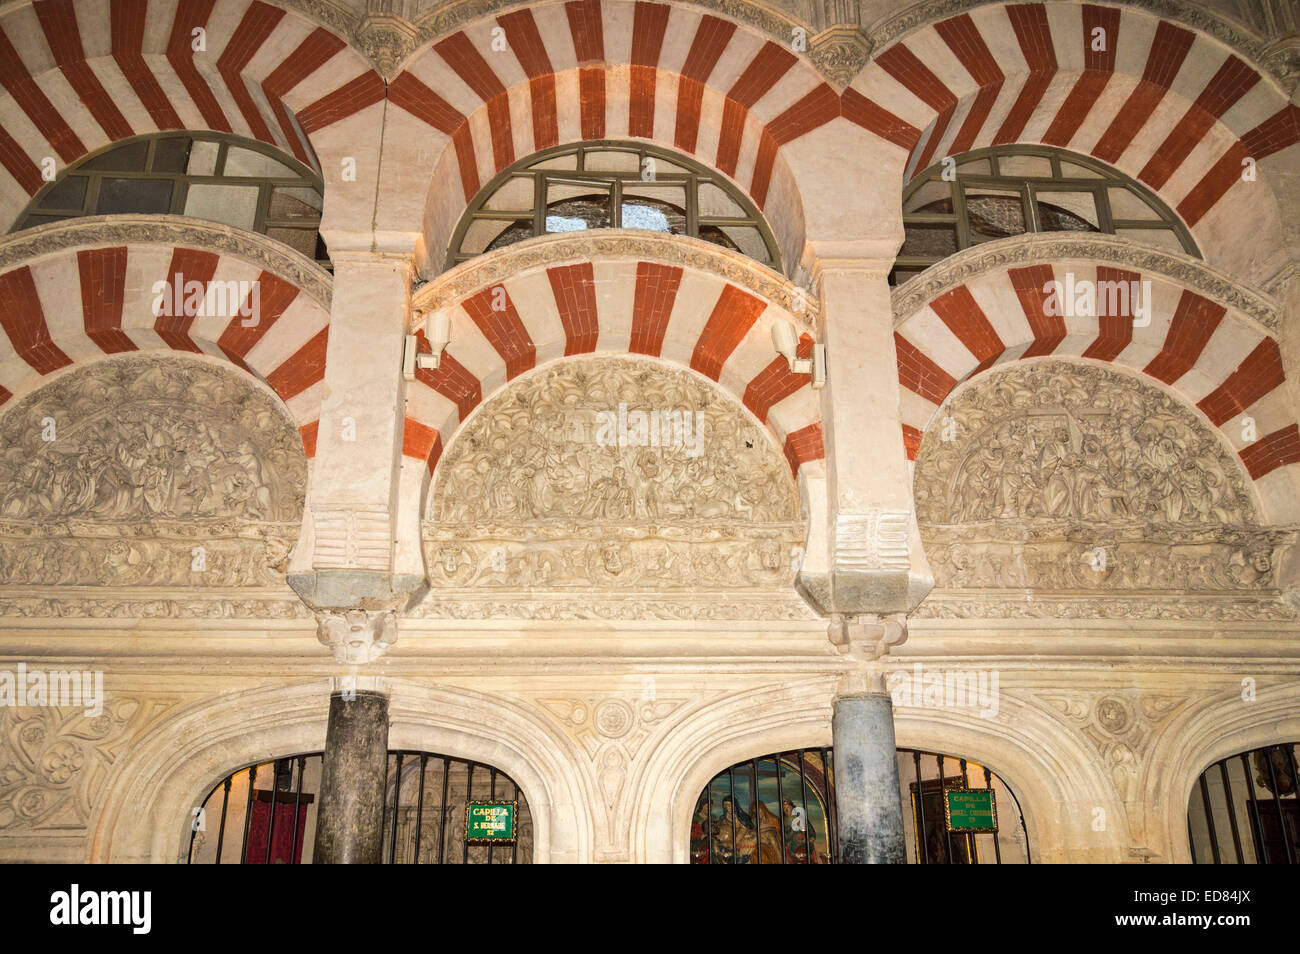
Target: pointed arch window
[[213, 176]]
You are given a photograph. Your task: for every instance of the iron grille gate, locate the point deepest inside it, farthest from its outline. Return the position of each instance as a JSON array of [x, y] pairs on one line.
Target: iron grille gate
[[1257, 788], [780, 809], [424, 812]]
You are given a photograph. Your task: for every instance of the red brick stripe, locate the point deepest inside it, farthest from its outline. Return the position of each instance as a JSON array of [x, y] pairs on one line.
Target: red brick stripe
[[352, 97], [764, 71], [1255, 377], [776, 382], [1098, 65], [1048, 330], [311, 54], [1272, 451], [59, 23], [503, 329], [906, 67], [964, 317], [303, 369], [191, 14], [919, 374], [190, 265], [127, 19], [1279, 131], [574, 288], [308, 432], [652, 305], [20, 85], [966, 43], [1190, 329], [911, 441], [1114, 331], [1168, 50], [733, 315], [1233, 80], [103, 285], [1029, 20], [460, 54], [422, 442], [259, 21], [587, 31], [804, 445], [451, 379], [23, 321], [423, 103], [874, 118], [274, 296], [25, 172], [530, 50], [711, 39], [649, 21]]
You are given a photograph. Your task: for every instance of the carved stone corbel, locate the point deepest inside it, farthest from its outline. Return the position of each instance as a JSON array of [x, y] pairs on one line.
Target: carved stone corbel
[[357, 636]]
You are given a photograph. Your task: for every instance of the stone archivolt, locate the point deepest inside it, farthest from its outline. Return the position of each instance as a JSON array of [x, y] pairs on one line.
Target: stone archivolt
[[537, 496], [161, 472], [1078, 479]]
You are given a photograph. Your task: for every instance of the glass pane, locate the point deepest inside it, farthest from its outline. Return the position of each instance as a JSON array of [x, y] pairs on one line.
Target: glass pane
[[608, 160], [1125, 204], [936, 190], [994, 214], [567, 161], [134, 195], [742, 238], [714, 201], [655, 207], [295, 204], [245, 162], [572, 207], [1025, 166], [929, 241], [976, 167], [128, 158], [171, 155], [1072, 170], [515, 195], [1067, 211], [203, 158], [229, 205], [68, 194], [1164, 238], [302, 240], [899, 275], [35, 219], [484, 234]]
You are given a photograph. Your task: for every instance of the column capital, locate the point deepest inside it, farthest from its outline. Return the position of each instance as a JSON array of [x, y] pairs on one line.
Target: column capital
[[873, 256], [357, 636]]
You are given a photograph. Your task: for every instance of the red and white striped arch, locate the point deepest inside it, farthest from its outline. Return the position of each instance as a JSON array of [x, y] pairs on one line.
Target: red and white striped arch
[[80, 304], [1174, 109], [76, 75], [689, 316], [586, 70], [1201, 349]]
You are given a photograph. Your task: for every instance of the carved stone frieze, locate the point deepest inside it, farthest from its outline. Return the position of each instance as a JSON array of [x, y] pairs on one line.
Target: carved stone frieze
[[469, 605], [1035, 248], [458, 284], [965, 605], [54, 761], [117, 605], [840, 52], [169, 230]]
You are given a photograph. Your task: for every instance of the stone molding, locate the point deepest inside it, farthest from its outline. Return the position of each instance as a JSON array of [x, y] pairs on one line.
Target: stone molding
[[1036, 248]]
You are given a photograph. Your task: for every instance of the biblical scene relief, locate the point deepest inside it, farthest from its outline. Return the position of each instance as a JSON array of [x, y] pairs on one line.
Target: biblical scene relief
[[769, 811], [1077, 477], [146, 470], [612, 473]]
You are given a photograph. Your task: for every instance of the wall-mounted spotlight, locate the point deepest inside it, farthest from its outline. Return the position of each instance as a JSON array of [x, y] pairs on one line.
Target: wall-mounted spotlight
[[786, 342], [437, 331]]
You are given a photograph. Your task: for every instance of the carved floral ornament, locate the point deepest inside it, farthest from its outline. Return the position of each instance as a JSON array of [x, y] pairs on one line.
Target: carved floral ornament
[[613, 475], [114, 473], [1078, 478]]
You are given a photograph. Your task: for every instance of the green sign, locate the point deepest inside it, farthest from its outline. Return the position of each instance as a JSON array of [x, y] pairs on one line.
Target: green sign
[[972, 810], [487, 822]]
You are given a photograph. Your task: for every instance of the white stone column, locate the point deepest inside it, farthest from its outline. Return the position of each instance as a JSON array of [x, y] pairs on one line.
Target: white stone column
[[345, 557], [874, 564]]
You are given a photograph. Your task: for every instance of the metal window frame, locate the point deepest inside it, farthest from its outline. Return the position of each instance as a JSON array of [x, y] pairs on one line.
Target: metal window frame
[[305, 178], [695, 176], [1029, 187]]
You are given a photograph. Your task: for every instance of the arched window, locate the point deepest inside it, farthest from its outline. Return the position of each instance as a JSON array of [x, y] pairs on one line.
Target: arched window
[[611, 185], [266, 813], [995, 193], [1245, 809], [221, 178]]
